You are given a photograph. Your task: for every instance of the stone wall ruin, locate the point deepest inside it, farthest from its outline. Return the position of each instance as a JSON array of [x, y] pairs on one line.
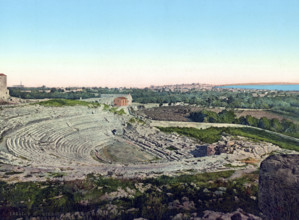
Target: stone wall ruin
[[4, 93]]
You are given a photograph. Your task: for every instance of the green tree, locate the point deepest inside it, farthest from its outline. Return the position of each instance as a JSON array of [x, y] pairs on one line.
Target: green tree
[[288, 126], [53, 90], [227, 116], [276, 125], [204, 116], [264, 123], [252, 121], [243, 121]]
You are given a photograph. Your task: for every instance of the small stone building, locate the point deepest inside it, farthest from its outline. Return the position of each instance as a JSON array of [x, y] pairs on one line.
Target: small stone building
[[109, 98], [121, 101], [4, 93]]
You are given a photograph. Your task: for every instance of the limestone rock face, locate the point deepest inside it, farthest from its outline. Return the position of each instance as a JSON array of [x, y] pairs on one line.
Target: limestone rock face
[[279, 187]]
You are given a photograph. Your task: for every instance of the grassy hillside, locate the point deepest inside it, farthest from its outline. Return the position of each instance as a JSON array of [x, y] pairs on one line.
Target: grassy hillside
[[212, 135], [66, 102]]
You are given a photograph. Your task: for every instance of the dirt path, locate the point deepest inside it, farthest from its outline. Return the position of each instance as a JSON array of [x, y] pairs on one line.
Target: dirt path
[[192, 124], [241, 172]]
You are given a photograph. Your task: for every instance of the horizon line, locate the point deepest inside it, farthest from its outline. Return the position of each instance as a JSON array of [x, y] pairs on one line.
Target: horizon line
[[213, 85], [259, 83]]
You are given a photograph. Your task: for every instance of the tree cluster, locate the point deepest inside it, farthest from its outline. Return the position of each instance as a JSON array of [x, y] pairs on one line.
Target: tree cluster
[[225, 116]]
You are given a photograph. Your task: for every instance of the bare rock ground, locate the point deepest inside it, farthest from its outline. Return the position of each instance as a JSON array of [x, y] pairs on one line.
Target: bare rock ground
[[279, 188]]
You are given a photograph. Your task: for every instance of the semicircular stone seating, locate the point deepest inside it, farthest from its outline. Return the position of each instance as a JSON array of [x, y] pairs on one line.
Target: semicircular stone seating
[[61, 136]]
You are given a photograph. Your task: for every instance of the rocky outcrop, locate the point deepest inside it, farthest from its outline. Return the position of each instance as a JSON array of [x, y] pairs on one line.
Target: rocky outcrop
[[279, 187], [239, 214]]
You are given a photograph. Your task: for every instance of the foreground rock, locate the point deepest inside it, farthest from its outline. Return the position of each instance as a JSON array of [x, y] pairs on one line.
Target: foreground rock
[[239, 214], [279, 187]]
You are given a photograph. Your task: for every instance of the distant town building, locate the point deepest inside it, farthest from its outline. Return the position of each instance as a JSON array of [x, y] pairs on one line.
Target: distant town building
[[4, 93], [181, 87], [121, 101]]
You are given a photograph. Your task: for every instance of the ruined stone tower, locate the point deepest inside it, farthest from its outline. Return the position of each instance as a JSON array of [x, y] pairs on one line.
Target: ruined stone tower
[[4, 94]]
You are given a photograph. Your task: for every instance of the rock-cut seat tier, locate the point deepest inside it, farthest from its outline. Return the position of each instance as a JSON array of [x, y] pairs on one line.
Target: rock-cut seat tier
[[62, 140]]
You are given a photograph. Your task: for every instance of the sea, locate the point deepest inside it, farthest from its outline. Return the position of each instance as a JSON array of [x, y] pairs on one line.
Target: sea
[[283, 87]]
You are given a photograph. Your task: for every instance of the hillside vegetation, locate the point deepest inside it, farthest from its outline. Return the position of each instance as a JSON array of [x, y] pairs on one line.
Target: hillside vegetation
[[284, 126], [280, 101], [153, 198], [66, 102], [211, 135]]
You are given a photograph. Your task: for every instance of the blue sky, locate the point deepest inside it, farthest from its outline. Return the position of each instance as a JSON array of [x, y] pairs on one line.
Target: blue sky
[[145, 42]]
